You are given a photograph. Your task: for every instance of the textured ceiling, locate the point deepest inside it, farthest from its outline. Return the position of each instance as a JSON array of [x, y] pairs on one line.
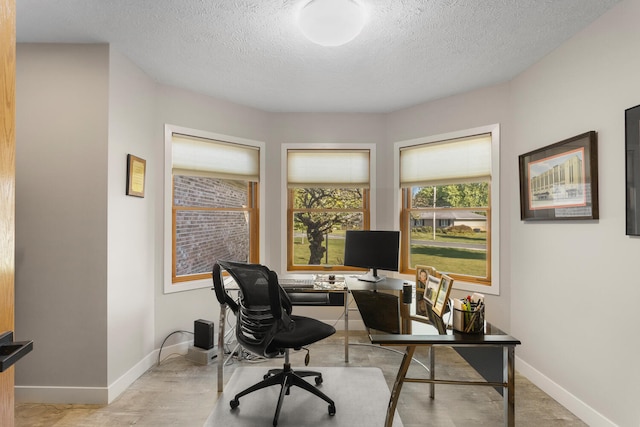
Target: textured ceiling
[[252, 53]]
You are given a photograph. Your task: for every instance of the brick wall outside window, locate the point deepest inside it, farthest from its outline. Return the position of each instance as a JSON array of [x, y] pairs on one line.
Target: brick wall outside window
[[203, 237]]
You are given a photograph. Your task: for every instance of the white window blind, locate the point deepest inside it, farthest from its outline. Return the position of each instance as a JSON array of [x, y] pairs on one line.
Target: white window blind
[[216, 159], [455, 161], [328, 168]]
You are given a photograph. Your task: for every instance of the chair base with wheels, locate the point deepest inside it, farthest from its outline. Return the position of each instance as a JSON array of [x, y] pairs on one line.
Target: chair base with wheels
[[286, 378]]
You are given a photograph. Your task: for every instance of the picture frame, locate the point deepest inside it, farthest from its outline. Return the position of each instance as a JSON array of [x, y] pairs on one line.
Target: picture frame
[[632, 170], [136, 170], [560, 181], [425, 283], [442, 298]]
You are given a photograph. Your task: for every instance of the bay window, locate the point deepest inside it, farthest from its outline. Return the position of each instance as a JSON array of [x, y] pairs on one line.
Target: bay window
[[214, 195], [447, 215]]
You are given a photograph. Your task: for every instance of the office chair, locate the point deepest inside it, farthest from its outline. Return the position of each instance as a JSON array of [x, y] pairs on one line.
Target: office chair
[[266, 327]]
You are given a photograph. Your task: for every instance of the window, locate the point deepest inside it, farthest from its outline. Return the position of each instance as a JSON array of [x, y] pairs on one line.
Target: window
[[213, 204], [448, 191], [328, 192]]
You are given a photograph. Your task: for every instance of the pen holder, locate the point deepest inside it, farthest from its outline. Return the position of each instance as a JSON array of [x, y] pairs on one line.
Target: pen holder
[[469, 321]]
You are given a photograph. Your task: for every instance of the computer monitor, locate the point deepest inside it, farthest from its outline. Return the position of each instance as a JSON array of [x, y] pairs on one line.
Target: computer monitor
[[372, 249]]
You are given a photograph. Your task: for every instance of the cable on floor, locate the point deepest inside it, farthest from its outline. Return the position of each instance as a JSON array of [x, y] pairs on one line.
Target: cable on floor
[[165, 340]]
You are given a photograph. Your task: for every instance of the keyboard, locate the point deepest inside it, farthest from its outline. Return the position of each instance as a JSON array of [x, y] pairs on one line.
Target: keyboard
[[296, 282]]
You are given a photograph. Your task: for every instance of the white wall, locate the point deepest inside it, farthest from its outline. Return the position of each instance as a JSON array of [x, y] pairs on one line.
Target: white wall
[[131, 241], [573, 284], [61, 215]]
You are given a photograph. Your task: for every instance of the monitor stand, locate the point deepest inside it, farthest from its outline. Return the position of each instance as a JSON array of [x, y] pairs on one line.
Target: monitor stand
[[371, 276]]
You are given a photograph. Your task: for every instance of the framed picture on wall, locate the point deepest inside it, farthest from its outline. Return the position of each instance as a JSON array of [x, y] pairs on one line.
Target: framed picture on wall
[[136, 168], [632, 168], [560, 181]]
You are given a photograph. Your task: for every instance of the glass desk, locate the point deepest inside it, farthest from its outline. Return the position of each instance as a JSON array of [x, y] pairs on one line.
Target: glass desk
[[491, 354], [496, 350]]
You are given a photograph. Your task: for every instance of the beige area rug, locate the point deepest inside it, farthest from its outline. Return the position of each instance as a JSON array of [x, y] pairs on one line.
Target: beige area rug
[[361, 396]]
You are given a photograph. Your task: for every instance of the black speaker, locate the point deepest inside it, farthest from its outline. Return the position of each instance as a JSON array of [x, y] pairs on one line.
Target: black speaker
[[407, 292], [203, 334]]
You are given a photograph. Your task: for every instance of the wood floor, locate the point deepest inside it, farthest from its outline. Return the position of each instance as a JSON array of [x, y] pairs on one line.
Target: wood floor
[[179, 392]]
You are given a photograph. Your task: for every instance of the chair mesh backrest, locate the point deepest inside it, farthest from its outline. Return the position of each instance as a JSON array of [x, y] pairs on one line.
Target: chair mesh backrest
[[256, 323], [221, 293]]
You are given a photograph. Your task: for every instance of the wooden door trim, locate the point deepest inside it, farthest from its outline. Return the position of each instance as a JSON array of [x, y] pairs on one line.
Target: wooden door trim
[[7, 194]]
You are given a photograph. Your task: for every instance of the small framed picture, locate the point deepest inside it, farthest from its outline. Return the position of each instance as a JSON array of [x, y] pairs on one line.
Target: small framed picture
[[425, 284], [433, 286], [442, 297], [136, 168]]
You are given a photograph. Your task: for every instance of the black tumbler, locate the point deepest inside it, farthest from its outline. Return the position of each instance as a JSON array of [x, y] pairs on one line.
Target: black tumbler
[[406, 293]]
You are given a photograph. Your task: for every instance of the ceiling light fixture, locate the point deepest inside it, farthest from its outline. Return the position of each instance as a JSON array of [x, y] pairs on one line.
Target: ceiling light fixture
[[331, 22]]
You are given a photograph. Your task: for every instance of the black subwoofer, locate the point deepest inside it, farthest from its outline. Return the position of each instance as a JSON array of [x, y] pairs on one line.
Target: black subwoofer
[[203, 334]]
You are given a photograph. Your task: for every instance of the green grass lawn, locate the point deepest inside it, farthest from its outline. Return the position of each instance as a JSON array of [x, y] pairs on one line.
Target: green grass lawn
[[463, 261]]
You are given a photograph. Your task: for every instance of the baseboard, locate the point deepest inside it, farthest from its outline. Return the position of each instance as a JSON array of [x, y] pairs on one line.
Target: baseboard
[[95, 395], [124, 382], [561, 395]]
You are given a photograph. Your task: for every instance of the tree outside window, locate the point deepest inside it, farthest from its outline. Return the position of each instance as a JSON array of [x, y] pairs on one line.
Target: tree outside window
[[327, 194], [320, 218]]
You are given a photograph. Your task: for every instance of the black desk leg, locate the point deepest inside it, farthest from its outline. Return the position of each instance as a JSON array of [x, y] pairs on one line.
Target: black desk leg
[[397, 385], [508, 376]]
